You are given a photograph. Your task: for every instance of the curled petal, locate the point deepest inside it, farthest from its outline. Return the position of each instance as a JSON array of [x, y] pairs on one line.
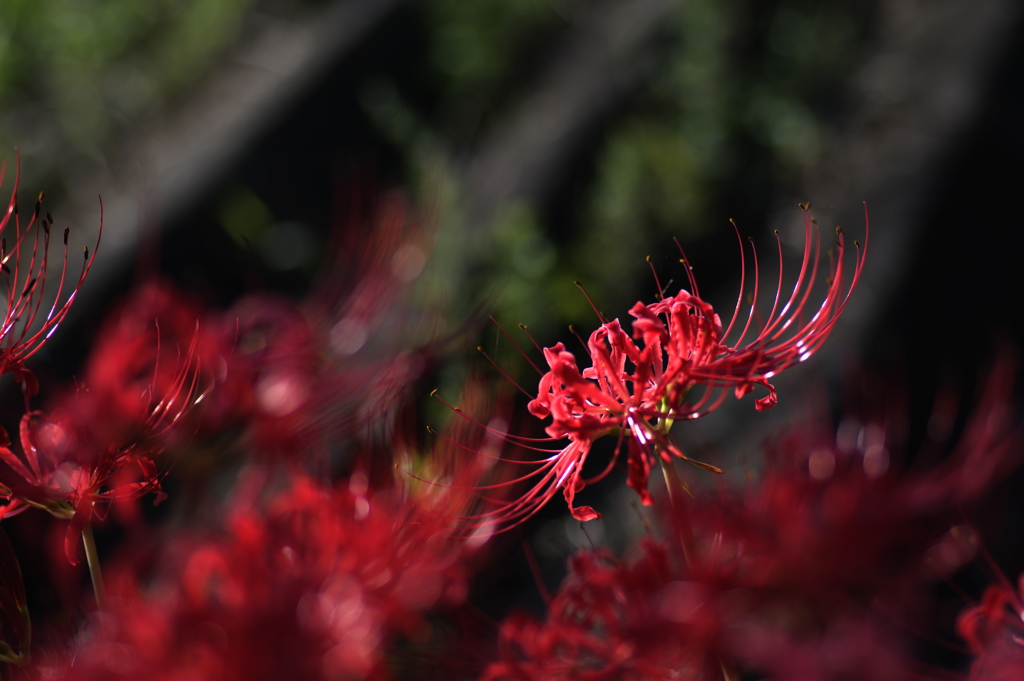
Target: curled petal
[[769, 401], [585, 513]]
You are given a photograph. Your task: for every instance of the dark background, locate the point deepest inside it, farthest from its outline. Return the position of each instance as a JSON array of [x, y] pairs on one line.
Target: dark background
[[548, 141]]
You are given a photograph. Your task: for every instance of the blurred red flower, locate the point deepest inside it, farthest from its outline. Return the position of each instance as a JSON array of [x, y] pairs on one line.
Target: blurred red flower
[[306, 582], [994, 632], [89, 451], [814, 570]]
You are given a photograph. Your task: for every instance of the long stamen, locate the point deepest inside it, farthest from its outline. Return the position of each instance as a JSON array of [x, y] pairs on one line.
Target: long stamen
[[591, 301], [502, 371], [743, 280], [522, 327], [516, 345], [654, 273], [689, 270]]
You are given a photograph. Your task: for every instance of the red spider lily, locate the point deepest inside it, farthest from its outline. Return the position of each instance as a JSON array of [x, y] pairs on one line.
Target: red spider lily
[[994, 631], [678, 365], [137, 354], [830, 517], [832, 544], [359, 314], [613, 620], [82, 457], [25, 263], [283, 378], [264, 365], [293, 376], [312, 583], [651, 620], [281, 361], [799, 575]]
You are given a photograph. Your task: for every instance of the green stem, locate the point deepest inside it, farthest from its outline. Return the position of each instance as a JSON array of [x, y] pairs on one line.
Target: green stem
[[93, 560], [676, 499], [676, 490]]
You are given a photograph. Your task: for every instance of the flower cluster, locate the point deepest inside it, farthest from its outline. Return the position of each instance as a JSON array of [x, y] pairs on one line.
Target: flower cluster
[[994, 632], [66, 465], [613, 620], [165, 379], [308, 582], [814, 571], [309, 532]]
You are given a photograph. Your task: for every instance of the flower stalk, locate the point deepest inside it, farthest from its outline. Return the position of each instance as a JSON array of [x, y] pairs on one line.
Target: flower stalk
[[676, 487], [92, 559]]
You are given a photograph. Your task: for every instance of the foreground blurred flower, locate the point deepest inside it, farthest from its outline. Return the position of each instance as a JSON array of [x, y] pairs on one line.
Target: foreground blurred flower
[[307, 582], [606, 623], [994, 632], [85, 455], [282, 376], [679, 364], [814, 572]]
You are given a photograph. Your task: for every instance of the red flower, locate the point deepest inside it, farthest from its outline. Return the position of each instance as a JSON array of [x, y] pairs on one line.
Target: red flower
[[24, 263], [292, 376], [81, 457], [994, 631], [678, 365], [310, 583], [798, 575], [615, 620]]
